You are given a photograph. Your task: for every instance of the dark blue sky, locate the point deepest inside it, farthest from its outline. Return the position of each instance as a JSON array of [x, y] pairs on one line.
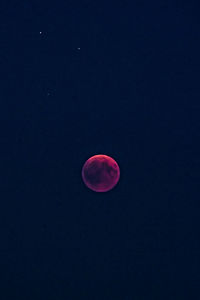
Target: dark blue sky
[[78, 79]]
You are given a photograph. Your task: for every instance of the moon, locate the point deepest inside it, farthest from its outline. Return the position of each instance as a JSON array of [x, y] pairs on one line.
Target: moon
[[100, 173]]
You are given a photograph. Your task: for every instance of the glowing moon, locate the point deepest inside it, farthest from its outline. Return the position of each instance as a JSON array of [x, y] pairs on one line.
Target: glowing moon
[[100, 173]]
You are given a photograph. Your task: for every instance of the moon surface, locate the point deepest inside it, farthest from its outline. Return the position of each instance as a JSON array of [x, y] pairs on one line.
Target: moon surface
[[100, 173]]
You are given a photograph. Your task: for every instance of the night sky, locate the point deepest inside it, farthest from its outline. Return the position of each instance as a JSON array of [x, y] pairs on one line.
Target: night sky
[[80, 78]]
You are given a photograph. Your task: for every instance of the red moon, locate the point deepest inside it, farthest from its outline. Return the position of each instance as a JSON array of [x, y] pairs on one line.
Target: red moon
[[100, 173]]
